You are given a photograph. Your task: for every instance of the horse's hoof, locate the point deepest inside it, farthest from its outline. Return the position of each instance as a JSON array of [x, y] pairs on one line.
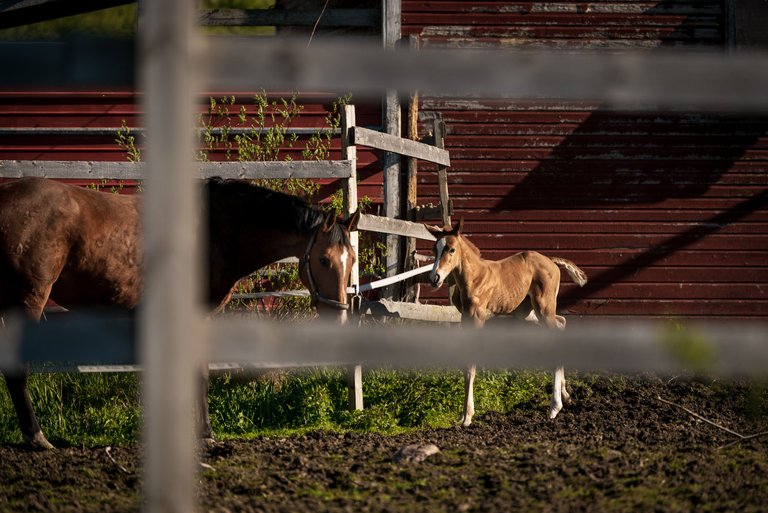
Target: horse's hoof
[[38, 442], [554, 409], [208, 442], [466, 421], [566, 396]]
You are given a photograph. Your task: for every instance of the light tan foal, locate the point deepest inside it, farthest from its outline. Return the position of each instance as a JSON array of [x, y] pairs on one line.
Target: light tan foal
[[525, 285]]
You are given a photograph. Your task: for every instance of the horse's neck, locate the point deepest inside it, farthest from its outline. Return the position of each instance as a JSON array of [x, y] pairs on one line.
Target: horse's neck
[[472, 266]]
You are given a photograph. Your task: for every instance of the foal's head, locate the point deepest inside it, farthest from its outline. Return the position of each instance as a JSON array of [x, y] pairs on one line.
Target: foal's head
[[447, 250], [327, 265]]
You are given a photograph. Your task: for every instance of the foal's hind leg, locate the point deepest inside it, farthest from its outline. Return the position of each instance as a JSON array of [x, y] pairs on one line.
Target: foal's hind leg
[[544, 305]]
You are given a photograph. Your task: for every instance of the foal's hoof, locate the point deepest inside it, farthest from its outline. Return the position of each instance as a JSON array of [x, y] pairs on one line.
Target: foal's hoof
[[466, 421], [566, 396], [554, 408], [38, 442]]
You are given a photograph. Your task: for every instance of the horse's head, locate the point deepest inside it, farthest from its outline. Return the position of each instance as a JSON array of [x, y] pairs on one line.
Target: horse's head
[[327, 264], [447, 250]]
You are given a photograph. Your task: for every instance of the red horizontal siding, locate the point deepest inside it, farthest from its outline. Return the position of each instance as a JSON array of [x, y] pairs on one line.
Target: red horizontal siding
[[110, 109], [667, 212]]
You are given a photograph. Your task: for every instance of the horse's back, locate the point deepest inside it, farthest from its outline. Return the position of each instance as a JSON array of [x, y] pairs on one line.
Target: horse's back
[[78, 243]]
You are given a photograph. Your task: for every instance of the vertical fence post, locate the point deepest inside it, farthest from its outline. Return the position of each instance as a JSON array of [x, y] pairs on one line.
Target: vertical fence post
[[442, 173], [349, 152], [392, 120], [171, 314], [411, 287]]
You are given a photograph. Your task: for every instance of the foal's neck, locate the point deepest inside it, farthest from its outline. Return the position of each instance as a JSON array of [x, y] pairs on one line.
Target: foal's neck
[[471, 264]]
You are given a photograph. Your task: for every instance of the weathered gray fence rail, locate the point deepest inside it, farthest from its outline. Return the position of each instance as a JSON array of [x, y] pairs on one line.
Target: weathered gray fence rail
[[85, 170]]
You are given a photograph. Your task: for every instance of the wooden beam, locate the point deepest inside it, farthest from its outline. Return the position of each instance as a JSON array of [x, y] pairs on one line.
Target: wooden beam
[[290, 18], [392, 120], [349, 153], [412, 311], [24, 12], [282, 169], [442, 173], [396, 144], [171, 328], [91, 170], [394, 227]]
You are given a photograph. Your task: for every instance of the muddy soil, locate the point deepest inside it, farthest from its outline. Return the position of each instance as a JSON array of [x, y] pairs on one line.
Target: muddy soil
[[617, 448]]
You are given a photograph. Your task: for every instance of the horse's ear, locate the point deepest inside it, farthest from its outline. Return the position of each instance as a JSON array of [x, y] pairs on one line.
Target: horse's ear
[[458, 227], [351, 223], [329, 221]]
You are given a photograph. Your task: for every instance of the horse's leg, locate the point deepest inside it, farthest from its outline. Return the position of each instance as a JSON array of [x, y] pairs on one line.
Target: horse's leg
[[203, 416], [557, 393], [544, 304], [17, 379], [469, 396]]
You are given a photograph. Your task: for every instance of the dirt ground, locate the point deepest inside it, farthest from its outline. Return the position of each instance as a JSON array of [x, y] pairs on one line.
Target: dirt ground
[[617, 448]]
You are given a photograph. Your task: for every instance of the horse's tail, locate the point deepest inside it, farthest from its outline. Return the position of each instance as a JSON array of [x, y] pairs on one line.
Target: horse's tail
[[577, 275]]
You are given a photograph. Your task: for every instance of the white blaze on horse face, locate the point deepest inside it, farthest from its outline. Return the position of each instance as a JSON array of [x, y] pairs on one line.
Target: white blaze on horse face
[[344, 256], [439, 247]]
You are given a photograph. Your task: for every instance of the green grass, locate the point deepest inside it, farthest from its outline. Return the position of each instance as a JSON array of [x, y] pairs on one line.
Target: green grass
[[104, 409]]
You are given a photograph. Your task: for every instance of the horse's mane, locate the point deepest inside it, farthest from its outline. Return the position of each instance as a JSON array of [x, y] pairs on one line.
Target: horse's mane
[[283, 211], [471, 245]]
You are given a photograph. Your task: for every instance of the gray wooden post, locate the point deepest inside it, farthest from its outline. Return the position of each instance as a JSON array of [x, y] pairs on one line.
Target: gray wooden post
[[442, 173], [349, 152], [391, 31], [170, 316]]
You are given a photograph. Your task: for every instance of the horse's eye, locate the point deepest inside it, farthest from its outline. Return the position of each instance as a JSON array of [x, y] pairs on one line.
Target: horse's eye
[[325, 262], [452, 251]]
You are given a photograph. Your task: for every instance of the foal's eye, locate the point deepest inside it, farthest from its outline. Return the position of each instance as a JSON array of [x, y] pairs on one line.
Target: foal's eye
[[452, 251], [325, 262]]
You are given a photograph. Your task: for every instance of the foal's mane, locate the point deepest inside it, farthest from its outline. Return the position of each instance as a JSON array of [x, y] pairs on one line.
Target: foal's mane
[[471, 245], [282, 211]]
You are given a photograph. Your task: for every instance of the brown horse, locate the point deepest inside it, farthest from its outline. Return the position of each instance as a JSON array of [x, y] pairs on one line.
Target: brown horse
[[82, 248], [525, 285]]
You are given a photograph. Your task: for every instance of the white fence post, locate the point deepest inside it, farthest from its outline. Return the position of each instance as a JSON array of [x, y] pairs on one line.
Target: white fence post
[[349, 152], [171, 314]]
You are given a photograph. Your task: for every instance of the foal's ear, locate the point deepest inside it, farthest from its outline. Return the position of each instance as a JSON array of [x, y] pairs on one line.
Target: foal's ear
[[351, 224], [458, 227]]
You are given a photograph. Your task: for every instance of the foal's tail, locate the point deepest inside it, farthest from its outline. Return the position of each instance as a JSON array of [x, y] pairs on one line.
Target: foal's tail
[[577, 275]]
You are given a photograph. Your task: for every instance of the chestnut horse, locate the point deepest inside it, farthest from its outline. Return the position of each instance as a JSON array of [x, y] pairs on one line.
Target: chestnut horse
[[525, 285], [82, 248]]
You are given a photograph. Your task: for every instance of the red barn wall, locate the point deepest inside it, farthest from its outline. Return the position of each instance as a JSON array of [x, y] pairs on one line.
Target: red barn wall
[[51, 122], [665, 211]]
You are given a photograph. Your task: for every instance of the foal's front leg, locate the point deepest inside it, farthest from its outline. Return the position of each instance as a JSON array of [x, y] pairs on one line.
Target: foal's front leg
[[477, 318], [469, 396]]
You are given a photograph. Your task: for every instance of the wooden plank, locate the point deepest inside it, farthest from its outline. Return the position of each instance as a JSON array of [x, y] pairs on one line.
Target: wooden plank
[[24, 12], [283, 169], [291, 18], [394, 227], [87, 170], [412, 311], [442, 173], [406, 147], [392, 124], [171, 328], [349, 153]]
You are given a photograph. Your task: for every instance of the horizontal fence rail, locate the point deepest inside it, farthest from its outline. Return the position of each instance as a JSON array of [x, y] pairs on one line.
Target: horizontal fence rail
[[663, 79], [721, 349], [395, 144], [85, 170]]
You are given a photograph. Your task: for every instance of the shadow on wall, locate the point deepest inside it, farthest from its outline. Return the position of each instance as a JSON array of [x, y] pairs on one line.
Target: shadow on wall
[[647, 160]]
